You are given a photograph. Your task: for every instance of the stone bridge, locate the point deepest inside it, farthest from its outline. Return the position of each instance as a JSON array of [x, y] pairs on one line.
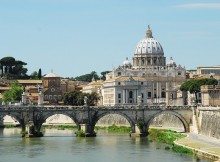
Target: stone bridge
[[31, 118]]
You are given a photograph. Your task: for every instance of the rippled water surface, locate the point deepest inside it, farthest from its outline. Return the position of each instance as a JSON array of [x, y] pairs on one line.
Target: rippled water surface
[[63, 146]]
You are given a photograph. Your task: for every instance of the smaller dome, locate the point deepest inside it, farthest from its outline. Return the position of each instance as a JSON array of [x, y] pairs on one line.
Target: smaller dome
[[171, 62], [126, 62]]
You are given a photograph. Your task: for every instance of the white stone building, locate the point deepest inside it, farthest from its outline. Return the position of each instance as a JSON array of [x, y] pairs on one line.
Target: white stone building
[[149, 80]]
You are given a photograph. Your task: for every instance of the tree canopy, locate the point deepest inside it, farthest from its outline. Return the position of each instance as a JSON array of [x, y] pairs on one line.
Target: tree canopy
[[76, 98], [14, 94], [92, 75], [193, 85], [87, 77], [13, 69]]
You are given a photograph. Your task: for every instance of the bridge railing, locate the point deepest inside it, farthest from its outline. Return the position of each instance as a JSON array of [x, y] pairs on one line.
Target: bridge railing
[[117, 107]]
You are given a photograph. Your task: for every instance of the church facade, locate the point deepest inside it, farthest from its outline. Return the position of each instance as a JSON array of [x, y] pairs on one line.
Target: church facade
[[148, 80]]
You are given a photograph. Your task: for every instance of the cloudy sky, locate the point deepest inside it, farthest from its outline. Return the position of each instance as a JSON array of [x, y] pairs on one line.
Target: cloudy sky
[[75, 37]]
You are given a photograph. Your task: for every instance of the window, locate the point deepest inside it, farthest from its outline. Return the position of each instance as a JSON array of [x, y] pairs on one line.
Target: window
[[163, 94], [119, 83], [130, 94], [142, 83], [119, 95], [179, 73], [149, 94], [142, 95], [119, 73], [119, 101]]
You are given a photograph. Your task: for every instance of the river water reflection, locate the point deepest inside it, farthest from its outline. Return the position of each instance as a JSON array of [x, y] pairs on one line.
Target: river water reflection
[[63, 146]]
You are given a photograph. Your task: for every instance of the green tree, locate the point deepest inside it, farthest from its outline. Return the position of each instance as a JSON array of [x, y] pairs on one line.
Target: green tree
[[14, 94], [7, 63], [13, 69], [87, 77], [76, 98], [34, 75], [71, 98], [39, 74], [92, 98], [104, 74], [193, 85]]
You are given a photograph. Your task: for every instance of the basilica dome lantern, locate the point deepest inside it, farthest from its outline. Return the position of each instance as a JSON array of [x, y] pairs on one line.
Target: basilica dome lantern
[[148, 52]]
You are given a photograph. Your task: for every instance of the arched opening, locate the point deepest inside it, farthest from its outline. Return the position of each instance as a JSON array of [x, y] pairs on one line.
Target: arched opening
[[168, 120], [10, 121], [10, 126], [58, 125], [113, 123]]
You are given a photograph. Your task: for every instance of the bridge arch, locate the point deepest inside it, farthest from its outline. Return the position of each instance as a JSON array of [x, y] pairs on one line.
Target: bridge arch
[[101, 115], [179, 116], [43, 117], [15, 116]]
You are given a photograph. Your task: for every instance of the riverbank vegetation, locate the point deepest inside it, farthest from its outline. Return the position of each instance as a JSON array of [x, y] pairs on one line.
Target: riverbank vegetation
[[114, 129], [168, 137], [60, 127]]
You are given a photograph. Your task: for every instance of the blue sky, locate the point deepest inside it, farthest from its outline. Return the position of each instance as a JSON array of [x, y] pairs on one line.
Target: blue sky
[[75, 37]]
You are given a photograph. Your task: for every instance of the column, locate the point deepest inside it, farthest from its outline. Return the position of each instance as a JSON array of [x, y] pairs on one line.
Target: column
[[23, 98], [168, 93], [40, 98]]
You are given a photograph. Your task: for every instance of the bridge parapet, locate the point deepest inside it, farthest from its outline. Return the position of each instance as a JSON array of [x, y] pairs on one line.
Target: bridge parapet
[[208, 108]]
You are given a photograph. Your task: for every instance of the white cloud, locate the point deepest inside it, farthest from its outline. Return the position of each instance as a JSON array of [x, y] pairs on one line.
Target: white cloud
[[199, 6]]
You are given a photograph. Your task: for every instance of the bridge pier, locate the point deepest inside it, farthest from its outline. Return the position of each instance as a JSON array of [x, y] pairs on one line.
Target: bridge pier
[[86, 130], [29, 130], [1, 121], [139, 131]]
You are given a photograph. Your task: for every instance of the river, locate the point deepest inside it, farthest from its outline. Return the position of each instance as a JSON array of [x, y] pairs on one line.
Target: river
[[63, 146]]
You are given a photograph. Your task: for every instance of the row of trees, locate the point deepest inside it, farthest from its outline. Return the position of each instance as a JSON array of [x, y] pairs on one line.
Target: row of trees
[[92, 75], [14, 69]]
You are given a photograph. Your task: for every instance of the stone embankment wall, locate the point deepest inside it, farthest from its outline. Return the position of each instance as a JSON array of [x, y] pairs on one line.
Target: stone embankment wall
[[209, 121], [113, 119], [167, 120]]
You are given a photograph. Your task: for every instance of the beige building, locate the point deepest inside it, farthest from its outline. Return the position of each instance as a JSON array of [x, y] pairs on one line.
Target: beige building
[[150, 79], [205, 72], [31, 89], [67, 85], [210, 95]]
